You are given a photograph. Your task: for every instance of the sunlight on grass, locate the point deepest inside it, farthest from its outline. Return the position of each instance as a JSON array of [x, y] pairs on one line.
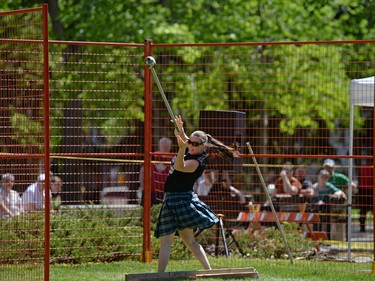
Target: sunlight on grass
[[267, 269]]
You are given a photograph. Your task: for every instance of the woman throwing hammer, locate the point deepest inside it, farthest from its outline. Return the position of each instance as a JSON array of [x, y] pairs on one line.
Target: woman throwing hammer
[[182, 210]]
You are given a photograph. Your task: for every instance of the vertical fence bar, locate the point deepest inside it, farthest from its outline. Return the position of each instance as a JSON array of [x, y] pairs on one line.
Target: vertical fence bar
[[351, 140], [146, 253], [373, 182], [46, 143], [23, 35]]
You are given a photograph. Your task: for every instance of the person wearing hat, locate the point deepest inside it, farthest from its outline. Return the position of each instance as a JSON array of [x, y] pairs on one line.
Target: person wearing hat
[[323, 188], [33, 199], [339, 180]]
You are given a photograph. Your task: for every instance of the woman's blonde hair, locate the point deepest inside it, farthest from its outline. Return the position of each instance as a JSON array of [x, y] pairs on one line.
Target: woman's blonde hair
[[215, 146]]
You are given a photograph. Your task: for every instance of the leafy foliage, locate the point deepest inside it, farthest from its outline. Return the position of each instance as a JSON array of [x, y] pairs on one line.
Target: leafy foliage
[[22, 239], [82, 236], [95, 235], [196, 75]]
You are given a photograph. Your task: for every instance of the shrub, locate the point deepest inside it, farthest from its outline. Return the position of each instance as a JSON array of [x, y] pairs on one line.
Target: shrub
[[84, 235], [270, 244], [22, 239], [98, 235], [95, 235]]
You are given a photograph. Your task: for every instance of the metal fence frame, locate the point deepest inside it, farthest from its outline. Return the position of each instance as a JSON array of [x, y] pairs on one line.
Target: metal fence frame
[[149, 48]]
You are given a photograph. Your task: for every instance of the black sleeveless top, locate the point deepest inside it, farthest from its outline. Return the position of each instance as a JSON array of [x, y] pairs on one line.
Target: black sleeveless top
[[178, 181]]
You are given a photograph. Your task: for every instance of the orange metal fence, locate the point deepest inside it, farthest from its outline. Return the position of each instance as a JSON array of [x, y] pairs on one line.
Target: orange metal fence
[[111, 138], [24, 144], [295, 105]]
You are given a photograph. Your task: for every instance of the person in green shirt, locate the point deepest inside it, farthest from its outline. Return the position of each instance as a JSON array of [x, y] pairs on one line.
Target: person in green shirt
[[339, 180], [323, 188], [324, 191]]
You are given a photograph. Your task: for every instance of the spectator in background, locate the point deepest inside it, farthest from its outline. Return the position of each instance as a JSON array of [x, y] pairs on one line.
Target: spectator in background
[[225, 199], [234, 192], [323, 188], [159, 172], [337, 179], [205, 183], [286, 182], [365, 192], [10, 201], [307, 185], [33, 199], [56, 188]]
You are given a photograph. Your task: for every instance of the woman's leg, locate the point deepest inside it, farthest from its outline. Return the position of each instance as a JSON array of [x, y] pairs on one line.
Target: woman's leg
[[165, 252], [187, 235]]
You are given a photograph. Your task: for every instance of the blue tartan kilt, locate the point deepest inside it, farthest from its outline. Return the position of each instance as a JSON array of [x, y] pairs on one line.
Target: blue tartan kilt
[[183, 210]]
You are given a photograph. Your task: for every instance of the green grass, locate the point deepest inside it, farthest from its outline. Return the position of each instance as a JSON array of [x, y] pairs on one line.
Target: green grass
[[268, 270]]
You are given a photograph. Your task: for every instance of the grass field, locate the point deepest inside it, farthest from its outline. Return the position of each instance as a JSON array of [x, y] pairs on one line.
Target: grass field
[[268, 270]]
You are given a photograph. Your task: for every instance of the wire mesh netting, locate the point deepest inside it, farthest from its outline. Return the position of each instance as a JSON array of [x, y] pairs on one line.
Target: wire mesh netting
[[22, 233], [96, 108], [291, 104]]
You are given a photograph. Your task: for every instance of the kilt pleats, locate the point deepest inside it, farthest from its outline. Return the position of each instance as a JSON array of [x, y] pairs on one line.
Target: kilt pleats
[[183, 210]]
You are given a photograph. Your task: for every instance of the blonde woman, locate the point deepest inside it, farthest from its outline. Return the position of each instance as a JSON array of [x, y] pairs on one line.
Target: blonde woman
[[182, 210]]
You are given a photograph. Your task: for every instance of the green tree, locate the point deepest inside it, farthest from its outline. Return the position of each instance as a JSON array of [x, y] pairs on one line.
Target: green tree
[[219, 21]]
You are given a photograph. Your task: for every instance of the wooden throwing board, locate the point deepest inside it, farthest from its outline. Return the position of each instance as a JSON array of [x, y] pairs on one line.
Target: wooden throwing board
[[178, 275]]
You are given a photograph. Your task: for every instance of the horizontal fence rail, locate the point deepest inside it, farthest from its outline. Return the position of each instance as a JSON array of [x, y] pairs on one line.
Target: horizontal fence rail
[[111, 142]]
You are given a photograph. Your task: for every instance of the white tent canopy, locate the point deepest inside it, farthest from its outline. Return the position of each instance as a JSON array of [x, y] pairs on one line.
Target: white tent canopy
[[361, 94]]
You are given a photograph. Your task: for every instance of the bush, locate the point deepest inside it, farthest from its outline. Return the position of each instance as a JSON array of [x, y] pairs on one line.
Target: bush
[[22, 239], [84, 235], [98, 235], [95, 235], [270, 244]]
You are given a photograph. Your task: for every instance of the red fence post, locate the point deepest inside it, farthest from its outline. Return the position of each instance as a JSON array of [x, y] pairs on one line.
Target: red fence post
[[146, 252], [373, 184], [46, 144]]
